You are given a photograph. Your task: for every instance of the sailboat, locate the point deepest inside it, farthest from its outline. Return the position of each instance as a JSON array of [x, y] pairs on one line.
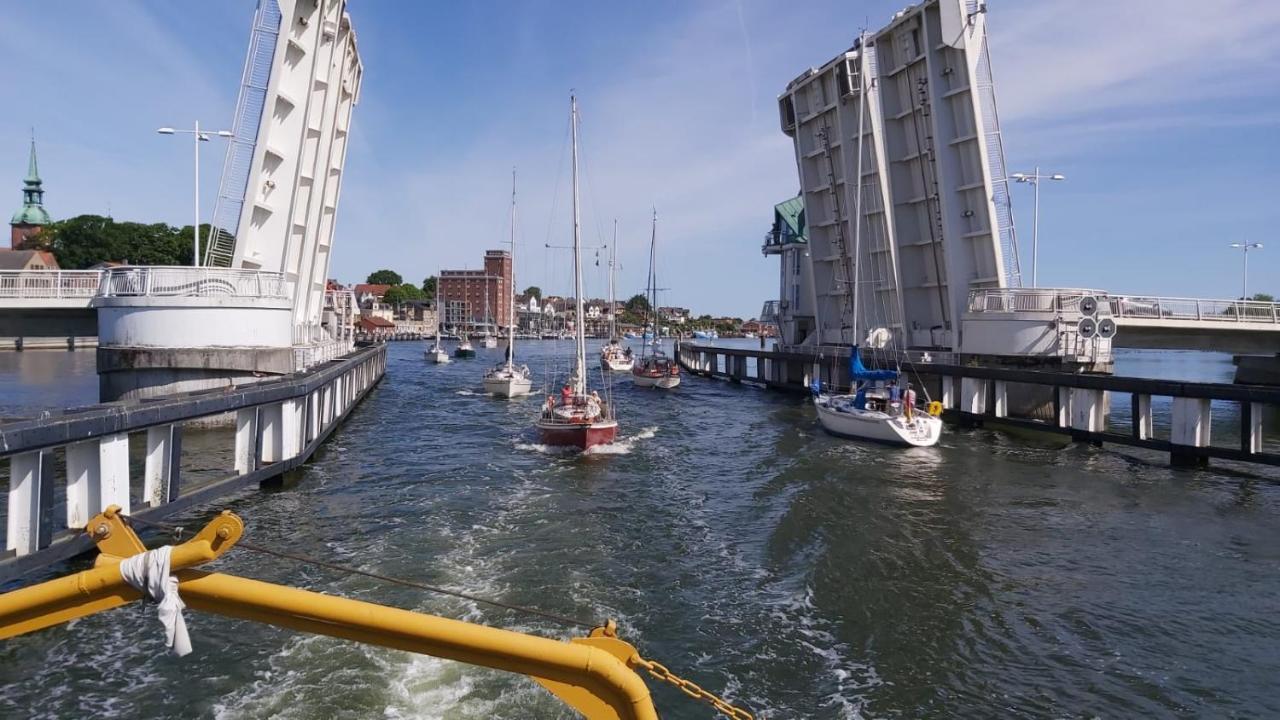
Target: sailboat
[[464, 349], [577, 418], [436, 353], [655, 369], [872, 410], [489, 339], [613, 356], [506, 379]]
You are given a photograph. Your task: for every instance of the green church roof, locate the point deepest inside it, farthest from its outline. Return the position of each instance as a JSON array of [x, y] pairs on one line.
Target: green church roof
[[32, 211]]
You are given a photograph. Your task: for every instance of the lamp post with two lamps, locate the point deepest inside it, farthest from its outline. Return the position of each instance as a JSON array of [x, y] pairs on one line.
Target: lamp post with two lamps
[[1034, 179], [199, 136], [1244, 280]]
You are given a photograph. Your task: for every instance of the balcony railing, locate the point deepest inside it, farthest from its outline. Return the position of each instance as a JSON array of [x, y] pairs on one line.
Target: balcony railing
[[1053, 300], [192, 282], [51, 284], [780, 238]]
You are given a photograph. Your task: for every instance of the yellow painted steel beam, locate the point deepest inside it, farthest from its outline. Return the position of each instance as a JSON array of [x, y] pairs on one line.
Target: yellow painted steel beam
[[592, 675]]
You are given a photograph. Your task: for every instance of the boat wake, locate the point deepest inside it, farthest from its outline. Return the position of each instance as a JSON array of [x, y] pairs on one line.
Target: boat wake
[[623, 446], [466, 392]]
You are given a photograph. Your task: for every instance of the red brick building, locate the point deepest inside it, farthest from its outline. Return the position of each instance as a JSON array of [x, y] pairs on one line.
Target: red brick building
[[463, 293]]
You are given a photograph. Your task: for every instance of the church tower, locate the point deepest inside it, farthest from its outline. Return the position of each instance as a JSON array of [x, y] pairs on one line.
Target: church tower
[[31, 217]]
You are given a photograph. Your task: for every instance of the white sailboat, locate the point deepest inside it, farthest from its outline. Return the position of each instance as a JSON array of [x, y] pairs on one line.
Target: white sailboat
[[874, 410], [489, 339], [613, 356], [578, 417], [655, 369], [506, 379], [436, 353]]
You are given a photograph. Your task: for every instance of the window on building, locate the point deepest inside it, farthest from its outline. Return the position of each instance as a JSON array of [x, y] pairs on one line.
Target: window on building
[[795, 255]]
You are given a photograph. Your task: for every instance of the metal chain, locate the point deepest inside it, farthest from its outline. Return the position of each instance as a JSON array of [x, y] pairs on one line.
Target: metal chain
[[690, 688]]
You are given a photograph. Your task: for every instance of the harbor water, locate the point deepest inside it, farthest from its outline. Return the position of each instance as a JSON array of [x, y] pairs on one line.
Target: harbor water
[[801, 575]]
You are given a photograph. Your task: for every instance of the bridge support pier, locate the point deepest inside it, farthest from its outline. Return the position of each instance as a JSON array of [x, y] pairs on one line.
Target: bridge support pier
[[1257, 369], [1192, 422]]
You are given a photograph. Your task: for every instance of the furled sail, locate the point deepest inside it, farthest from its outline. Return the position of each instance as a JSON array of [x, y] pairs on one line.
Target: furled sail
[[858, 371]]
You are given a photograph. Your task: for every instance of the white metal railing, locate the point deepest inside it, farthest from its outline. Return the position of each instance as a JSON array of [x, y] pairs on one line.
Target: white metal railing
[[51, 284], [191, 282], [1060, 300], [1156, 308], [1055, 300]]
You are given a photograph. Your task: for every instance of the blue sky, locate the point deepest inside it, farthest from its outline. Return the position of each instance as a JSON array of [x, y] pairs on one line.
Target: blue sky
[[1163, 115]]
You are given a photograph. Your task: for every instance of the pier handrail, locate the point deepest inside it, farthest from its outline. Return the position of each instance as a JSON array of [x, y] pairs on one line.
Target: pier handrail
[[165, 281], [53, 284]]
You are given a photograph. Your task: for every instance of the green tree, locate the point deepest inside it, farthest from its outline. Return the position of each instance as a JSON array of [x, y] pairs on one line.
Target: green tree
[[535, 291], [429, 286], [403, 293], [85, 240], [1263, 297], [385, 277], [638, 304]]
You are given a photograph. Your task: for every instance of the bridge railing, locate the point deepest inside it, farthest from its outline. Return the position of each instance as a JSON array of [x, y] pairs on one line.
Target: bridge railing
[[1157, 308], [130, 453], [51, 284], [191, 282]]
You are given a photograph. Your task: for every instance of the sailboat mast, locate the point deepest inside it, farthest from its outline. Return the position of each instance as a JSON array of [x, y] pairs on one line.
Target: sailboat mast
[[580, 372], [653, 276], [511, 294], [613, 259], [857, 184]]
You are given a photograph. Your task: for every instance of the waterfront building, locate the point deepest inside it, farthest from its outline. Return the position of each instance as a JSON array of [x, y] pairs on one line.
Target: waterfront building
[[27, 222], [677, 315], [467, 293]]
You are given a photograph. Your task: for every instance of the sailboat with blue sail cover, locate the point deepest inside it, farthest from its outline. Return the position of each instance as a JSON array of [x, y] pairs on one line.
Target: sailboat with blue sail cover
[[880, 406], [873, 411]]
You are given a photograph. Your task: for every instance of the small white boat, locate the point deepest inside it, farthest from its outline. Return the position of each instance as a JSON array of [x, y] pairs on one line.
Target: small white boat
[[841, 416], [614, 358], [508, 380], [436, 353], [464, 350], [489, 342]]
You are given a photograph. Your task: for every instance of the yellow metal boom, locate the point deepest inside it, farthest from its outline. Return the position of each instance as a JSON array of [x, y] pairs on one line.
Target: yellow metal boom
[[593, 675]]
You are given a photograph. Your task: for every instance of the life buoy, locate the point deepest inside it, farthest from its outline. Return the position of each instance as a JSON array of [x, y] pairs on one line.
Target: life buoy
[[935, 408]]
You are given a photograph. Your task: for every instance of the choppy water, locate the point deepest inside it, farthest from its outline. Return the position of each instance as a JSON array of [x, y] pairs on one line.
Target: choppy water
[[803, 575]]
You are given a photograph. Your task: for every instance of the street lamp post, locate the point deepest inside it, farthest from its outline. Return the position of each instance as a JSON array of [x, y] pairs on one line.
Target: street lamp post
[[1244, 280], [199, 137], [1034, 179]]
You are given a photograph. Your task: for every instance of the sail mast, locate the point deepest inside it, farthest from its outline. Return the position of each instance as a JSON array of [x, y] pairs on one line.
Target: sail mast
[[653, 277], [511, 294], [613, 259], [857, 184], [580, 371]]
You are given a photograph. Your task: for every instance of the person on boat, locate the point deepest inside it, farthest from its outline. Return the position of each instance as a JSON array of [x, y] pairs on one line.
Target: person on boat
[[895, 396], [566, 395], [909, 403], [550, 407]]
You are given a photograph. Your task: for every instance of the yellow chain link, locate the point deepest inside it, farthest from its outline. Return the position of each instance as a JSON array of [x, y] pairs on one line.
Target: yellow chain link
[[660, 672]]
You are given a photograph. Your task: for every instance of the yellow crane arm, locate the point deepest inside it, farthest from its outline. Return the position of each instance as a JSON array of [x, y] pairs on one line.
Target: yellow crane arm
[[592, 675]]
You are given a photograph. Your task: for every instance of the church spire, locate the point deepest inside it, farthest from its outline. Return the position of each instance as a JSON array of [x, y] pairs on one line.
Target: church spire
[[28, 220]]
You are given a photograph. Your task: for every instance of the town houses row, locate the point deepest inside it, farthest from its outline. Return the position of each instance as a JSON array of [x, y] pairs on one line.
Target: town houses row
[[474, 302]]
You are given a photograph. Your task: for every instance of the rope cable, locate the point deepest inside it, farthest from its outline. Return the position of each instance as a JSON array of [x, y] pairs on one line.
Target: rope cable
[[177, 531]]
